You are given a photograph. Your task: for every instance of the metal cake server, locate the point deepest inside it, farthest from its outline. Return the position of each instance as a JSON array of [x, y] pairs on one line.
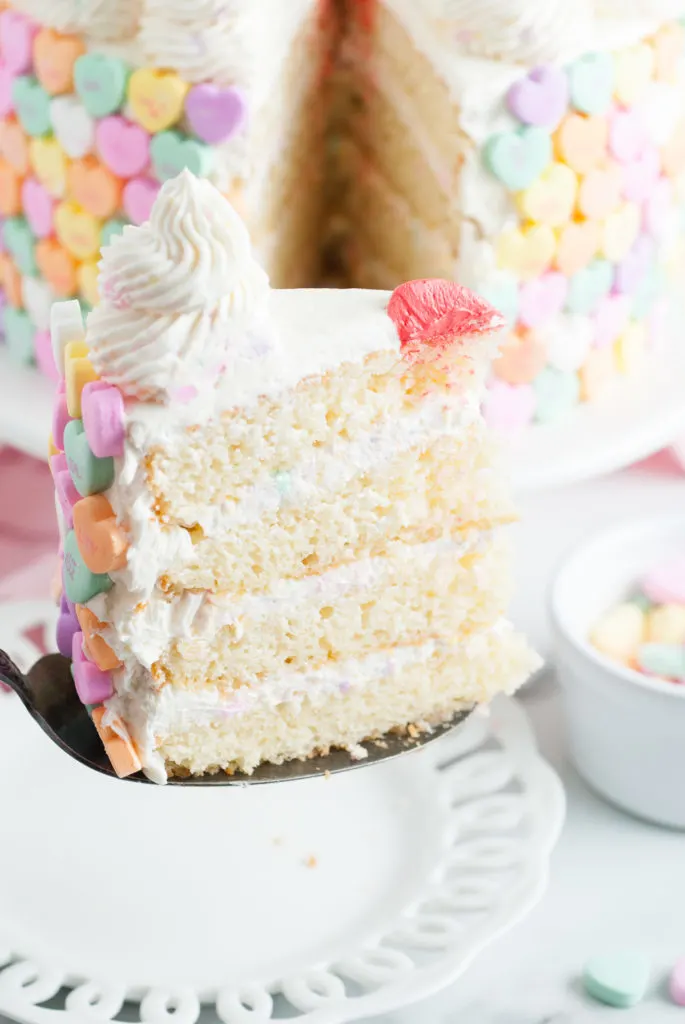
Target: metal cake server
[[47, 692]]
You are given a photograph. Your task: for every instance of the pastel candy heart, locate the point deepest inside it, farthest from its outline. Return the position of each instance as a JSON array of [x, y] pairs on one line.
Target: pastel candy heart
[[659, 111], [567, 342], [92, 684], [94, 187], [669, 43], [38, 299], [78, 231], [631, 271], [87, 278], [634, 68], [138, 199], [215, 114], [542, 298], [577, 244], [118, 746], [526, 252], [600, 192], [591, 80], [39, 207], [665, 660], [20, 242], [103, 419], [54, 56], [110, 230], [646, 294], [19, 332], [123, 146], [49, 165], [676, 985], [78, 371], [665, 624], [660, 209], [619, 231], [11, 281], [521, 357], [73, 126], [171, 153], [60, 418], [32, 104], [67, 626], [10, 191], [508, 409], [66, 326], [6, 83], [673, 153], [581, 142], [596, 373], [628, 137], [156, 98], [551, 197], [641, 175], [44, 356], [630, 351], [14, 146], [95, 647], [556, 393], [541, 97], [57, 266], [102, 542], [665, 583], [518, 157], [619, 631], [89, 474], [67, 495], [16, 41], [501, 291], [100, 81], [611, 318]]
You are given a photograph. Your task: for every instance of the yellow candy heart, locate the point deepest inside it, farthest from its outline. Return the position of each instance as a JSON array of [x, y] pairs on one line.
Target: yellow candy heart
[[633, 71], [619, 232], [87, 277], [78, 371], [49, 164], [631, 348], [78, 231], [596, 373], [527, 252], [550, 199], [156, 98]]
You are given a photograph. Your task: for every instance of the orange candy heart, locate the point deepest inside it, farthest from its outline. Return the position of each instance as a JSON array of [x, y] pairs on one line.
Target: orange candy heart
[[581, 142], [94, 187], [54, 57], [121, 752], [10, 190], [600, 191], [521, 358], [578, 242], [673, 153], [101, 541], [669, 43], [10, 278], [14, 146], [95, 647], [57, 266]]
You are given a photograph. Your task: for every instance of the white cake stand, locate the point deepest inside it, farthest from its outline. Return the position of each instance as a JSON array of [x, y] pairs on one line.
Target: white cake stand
[[321, 902]]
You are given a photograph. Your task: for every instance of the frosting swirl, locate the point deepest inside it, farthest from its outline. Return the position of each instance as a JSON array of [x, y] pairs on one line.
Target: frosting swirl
[[101, 19], [175, 292]]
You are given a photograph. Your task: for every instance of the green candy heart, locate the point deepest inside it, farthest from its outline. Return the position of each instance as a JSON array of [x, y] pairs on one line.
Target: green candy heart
[[19, 336], [32, 105], [618, 979], [556, 393], [100, 82], [171, 153], [666, 660], [503, 293], [21, 243], [90, 474], [80, 584], [647, 293], [110, 229], [589, 286], [518, 158], [591, 80]]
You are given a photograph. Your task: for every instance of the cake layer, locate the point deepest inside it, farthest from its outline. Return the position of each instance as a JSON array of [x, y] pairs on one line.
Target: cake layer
[[442, 591], [186, 733]]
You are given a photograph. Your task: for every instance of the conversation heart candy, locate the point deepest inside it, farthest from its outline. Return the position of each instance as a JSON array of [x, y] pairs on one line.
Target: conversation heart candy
[[556, 393], [67, 496], [542, 298], [60, 418], [631, 271], [102, 542], [73, 126], [665, 660], [567, 341], [619, 631], [628, 136], [673, 153], [526, 252], [156, 98], [110, 229], [57, 266], [78, 371], [508, 408], [588, 286], [518, 157], [100, 82], [11, 282], [630, 350], [90, 474], [591, 79], [54, 56], [641, 175], [92, 684], [14, 146], [596, 373], [97, 649], [581, 142], [120, 749], [660, 209], [77, 230], [617, 979], [32, 105], [49, 165], [600, 192], [521, 357], [44, 356], [666, 624], [665, 583], [94, 187], [38, 299], [633, 70], [123, 146], [19, 333], [87, 279], [551, 197], [138, 198], [171, 153], [10, 191], [215, 114], [67, 626], [501, 290], [6, 83], [647, 293], [20, 243], [541, 97], [39, 207], [611, 318], [659, 111], [619, 232], [16, 41], [576, 245], [103, 419]]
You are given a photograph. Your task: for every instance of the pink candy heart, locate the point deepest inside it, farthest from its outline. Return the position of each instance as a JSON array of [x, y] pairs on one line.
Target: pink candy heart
[[542, 298], [138, 199], [631, 271], [44, 356], [541, 97], [60, 418], [6, 83], [610, 319], [666, 583], [102, 411], [640, 176], [39, 207], [659, 210], [16, 41], [215, 114], [92, 684], [123, 146], [507, 408], [628, 137]]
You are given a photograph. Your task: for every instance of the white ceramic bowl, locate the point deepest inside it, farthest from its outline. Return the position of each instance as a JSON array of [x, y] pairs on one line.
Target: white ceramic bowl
[[626, 731]]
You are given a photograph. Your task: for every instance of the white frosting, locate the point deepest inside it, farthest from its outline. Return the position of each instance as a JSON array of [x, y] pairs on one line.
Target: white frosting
[[101, 19], [175, 293]]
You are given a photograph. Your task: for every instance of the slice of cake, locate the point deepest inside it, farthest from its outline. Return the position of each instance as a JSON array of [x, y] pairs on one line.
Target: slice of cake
[[281, 512]]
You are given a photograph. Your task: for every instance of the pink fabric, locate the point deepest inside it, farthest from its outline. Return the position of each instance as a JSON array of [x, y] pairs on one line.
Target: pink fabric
[[28, 528]]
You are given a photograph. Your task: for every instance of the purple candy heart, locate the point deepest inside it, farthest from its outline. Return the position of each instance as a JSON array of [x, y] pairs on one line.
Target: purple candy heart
[[541, 98], [631, 271], [542, 298], [215, 114]]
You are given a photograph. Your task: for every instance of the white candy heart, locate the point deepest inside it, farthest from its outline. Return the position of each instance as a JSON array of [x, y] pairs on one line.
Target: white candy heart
[[73, 126], [659, 109], [567, 341], [37, 298]]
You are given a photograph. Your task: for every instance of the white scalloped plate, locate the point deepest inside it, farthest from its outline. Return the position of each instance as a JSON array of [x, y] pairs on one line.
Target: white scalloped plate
[[322, 902]]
